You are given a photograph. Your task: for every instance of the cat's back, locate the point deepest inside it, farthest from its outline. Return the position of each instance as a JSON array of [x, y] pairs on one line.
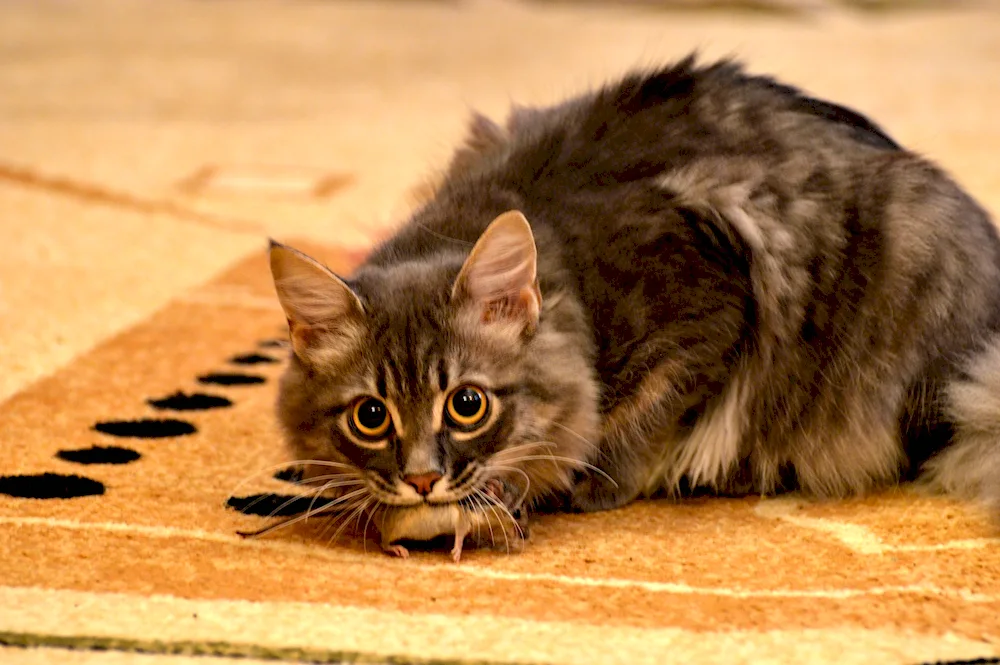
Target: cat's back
[[621, 148], [662, 157], [653, 122]]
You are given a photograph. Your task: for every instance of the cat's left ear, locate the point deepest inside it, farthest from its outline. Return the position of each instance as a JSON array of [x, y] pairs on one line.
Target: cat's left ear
[[500, 278]]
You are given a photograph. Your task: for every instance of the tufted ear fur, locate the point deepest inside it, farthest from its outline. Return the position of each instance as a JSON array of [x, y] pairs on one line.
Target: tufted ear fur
[[499, 279], [323, 313]]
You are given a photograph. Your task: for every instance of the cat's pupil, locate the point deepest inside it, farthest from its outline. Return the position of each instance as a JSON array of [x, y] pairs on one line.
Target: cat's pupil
[[467, 402], [371, 414]]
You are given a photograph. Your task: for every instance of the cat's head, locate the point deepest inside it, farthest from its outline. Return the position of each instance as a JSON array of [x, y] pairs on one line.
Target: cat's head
[[423, 379]]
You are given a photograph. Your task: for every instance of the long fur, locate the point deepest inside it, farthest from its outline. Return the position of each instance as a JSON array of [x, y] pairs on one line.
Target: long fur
[[743, 289]]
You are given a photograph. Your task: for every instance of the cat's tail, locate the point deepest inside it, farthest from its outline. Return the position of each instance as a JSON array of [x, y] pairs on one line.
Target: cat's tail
[[970, 466]]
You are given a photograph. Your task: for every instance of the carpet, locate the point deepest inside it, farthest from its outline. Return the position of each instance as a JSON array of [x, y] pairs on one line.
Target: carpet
[[142, 344]]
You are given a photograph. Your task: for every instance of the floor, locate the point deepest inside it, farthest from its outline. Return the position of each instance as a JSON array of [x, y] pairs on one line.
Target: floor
[[148, 151]]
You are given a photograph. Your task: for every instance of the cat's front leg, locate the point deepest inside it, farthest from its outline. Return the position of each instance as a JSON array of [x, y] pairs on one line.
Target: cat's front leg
[[613, 485]]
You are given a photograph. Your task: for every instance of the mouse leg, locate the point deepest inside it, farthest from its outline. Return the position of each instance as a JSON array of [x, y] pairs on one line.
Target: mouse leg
[[462, 527], [396, 550]]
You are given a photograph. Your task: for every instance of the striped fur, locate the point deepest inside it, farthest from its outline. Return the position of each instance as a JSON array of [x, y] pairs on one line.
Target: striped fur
[[742, 289]]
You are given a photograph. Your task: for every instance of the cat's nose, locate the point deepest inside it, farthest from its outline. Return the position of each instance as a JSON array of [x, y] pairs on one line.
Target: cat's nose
[[422, 482]]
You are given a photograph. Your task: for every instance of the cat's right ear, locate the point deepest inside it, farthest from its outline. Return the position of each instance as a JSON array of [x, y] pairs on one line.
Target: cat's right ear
[[323, 313]]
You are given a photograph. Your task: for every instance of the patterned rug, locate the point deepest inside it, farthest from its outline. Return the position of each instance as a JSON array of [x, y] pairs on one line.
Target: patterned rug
[[126, 472], [141, 344]]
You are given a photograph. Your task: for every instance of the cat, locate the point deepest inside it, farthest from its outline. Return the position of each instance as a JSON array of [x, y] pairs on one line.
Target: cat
[[693, 279]]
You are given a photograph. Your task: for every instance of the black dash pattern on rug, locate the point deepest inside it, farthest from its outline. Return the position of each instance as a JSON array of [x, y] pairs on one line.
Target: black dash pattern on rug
[[180, 401], [146, 428], [99, 455], [275, 505], [252, 359], [231, 379], [49, 486], [292, 474]]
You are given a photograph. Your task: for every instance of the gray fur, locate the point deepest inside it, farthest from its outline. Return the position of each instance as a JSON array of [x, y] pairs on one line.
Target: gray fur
[[743, 289]]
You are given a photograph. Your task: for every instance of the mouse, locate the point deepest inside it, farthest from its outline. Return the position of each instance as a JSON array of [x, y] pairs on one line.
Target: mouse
[[484, 526]]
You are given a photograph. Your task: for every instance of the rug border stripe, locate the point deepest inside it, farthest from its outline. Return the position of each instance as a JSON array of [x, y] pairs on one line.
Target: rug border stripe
[[222, 649]]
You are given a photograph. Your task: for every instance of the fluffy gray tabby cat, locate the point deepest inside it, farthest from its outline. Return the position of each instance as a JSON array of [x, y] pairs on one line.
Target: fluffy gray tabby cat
[[692, 279]]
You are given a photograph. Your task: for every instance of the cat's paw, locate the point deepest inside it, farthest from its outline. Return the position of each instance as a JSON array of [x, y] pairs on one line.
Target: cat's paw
[[595, 491]]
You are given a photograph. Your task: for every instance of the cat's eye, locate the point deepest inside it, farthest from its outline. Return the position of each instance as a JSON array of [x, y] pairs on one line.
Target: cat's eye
[[370, 418], [467, 406]]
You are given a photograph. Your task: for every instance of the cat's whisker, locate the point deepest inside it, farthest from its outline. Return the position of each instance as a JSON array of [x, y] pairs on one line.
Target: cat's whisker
[[326, 463], [503, 522], [256, 474], [527, 481], [357, 524], [502, 506], [288, 521], [481, 497], [339, 516], [356, 516], [555, 464], [327, 477], [333, 484], [294, 519], [531, 445], [329, 506], [569, 461], [503, 527], [315, 492], [479, 523], [301, 495], [489, 522], [594, 448], [486, 518], [359, 510], [468, 504], [284, 465], [350, 474], [505, 454], [580, 437], [371, 514]]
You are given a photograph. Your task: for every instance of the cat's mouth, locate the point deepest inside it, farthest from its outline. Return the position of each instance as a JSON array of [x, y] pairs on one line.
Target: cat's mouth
[[474, 487], [471, 492]]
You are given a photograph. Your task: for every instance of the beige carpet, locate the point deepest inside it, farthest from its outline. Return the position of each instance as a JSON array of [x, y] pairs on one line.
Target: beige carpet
[[149, 148]]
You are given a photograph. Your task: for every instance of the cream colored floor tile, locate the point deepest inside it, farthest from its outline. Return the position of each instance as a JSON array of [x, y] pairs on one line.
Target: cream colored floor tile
[[348, 629]]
